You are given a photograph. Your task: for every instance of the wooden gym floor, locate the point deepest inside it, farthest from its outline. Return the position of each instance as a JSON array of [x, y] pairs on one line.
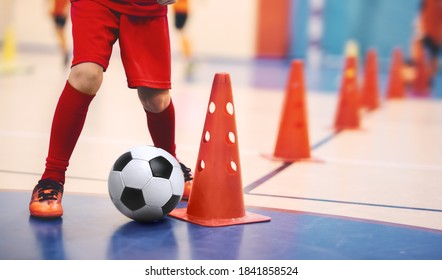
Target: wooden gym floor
[[375, 193]]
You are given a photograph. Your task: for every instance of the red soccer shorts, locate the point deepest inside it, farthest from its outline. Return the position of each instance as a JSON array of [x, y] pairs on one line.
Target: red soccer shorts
[[144, 43]]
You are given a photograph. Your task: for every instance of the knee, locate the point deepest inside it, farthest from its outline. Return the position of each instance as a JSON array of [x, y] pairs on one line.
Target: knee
[[86, 77], [154, 100]]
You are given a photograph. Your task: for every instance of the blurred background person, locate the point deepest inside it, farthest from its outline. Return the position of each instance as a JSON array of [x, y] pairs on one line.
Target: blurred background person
[[59, 11], [427, 39], [181, 12]]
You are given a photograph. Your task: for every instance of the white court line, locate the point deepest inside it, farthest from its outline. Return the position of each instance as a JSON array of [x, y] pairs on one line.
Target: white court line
[[24, 134], [392, 165], [104, 140], [84, 138], [242, 152]]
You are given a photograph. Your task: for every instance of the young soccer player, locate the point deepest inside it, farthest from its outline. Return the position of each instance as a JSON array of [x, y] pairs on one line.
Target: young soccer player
[[59, 11], [428, 35], [181, 11], [141, 28]]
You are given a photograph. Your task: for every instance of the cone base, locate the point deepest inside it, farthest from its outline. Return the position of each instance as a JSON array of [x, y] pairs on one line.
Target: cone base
[[343, 127], [396, 97], [249, 218], [421, 93], [290, 159], [371, 108]]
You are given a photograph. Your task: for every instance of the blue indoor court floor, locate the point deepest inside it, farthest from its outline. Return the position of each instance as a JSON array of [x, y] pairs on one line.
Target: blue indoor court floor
[[374, 194]]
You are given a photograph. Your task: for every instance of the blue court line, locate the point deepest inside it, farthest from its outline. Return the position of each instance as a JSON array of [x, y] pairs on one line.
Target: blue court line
[[350, 202]]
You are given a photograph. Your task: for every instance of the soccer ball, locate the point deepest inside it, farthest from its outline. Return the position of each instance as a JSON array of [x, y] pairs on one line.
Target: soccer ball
[[146, 183]]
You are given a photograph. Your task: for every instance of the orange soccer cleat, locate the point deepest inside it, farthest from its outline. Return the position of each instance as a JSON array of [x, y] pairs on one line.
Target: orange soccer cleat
[[188, 180], [46, 199]]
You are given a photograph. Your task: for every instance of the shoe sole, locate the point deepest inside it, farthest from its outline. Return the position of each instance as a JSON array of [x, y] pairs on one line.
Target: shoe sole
[[46, 214]]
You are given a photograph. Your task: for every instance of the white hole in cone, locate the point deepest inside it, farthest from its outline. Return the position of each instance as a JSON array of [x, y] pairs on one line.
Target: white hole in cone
[[229, 108], [206, 137], [201, 165], [212, 107], [232, 167], [230, 139]]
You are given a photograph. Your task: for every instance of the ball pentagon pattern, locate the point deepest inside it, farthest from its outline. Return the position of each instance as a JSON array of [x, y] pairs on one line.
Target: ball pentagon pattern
[[146, 183]]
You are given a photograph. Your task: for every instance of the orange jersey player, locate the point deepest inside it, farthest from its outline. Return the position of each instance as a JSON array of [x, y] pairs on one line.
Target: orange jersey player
[[181, 11], [59, 11], [431, 22], [429, 34], [60, 8], [141, 28], [181, 6]]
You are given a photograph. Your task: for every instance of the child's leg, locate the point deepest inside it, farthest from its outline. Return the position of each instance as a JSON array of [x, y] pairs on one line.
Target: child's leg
[[91, 58], [432, 50], [69, 117], [434, 65], [147, 63], [161, 124], [160, 114], [67, 123], [434, 62]]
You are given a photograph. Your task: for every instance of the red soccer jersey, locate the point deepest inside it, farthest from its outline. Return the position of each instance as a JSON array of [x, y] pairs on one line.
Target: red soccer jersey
[[134, 7]]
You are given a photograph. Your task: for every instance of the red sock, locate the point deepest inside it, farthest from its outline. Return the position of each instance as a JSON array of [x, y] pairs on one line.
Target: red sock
[[67, 123], [162, 128]]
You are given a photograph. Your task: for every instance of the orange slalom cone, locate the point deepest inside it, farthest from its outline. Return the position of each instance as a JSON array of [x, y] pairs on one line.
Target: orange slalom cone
[[421, 82], [347, 114], [217, 197], [370, 84], [293, 138], [396, 83]]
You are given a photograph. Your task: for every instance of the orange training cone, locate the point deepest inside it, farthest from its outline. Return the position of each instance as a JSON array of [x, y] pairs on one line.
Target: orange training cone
[[347, 115], [421, 82], [370, 85], [293, 139], [396, 83], [217, 195]]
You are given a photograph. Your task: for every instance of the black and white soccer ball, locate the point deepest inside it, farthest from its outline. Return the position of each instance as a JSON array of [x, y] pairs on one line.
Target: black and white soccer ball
[[146, 183]]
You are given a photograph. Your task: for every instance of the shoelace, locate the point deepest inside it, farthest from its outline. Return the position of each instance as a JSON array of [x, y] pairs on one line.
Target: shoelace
[[187, 172], [49, 192]]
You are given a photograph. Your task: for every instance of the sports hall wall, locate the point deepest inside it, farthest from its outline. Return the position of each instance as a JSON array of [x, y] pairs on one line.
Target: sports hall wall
[[329, 24], [244, 29], [379, 24]]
